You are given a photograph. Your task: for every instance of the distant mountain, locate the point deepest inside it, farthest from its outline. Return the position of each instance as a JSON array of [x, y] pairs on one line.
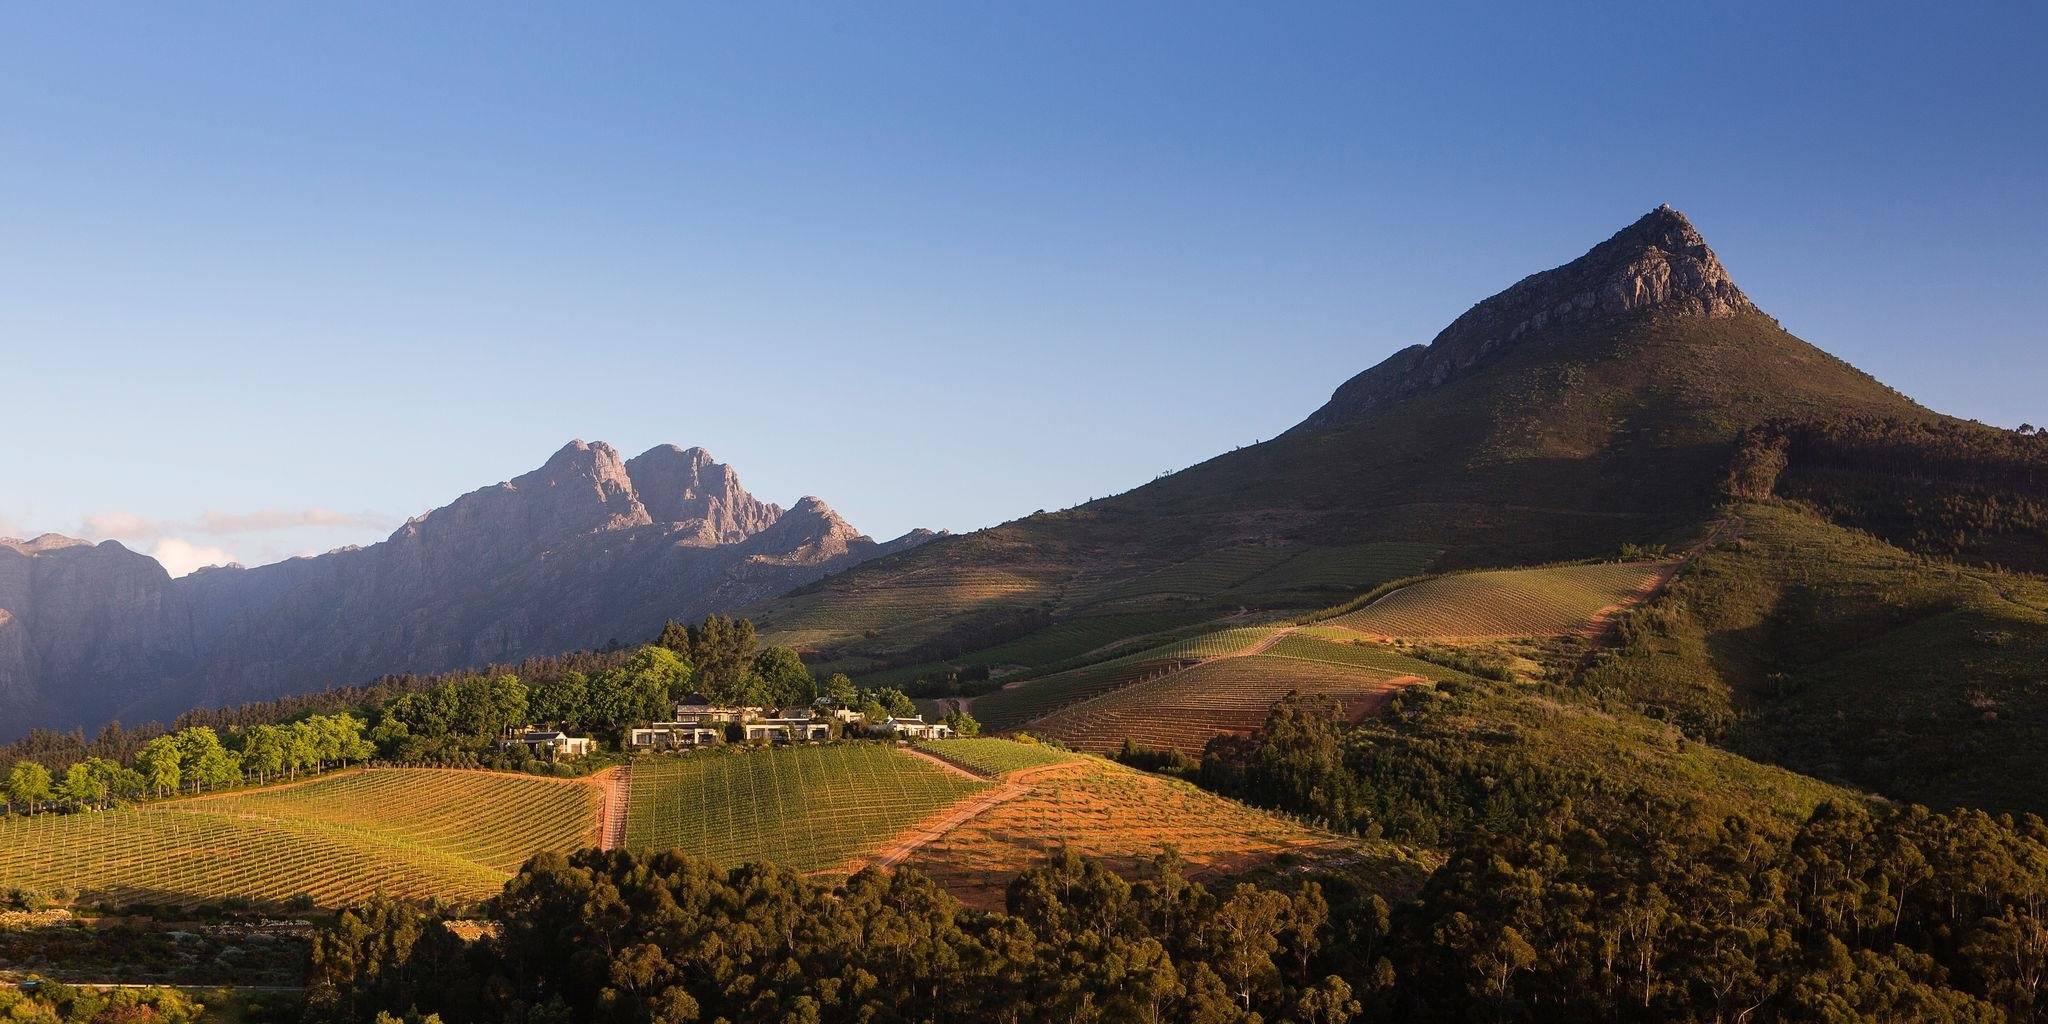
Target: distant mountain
[[1584, 407], [586, 549]]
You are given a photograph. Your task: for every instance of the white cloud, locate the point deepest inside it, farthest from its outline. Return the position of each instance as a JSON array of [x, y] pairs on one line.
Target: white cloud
[[179, 556], [227, 524], [266, 519], [119, 524]]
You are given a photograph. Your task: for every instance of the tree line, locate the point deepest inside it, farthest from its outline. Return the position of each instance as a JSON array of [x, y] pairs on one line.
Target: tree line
[[192, 760], [1574, 898], [627, 937], [454, 720]]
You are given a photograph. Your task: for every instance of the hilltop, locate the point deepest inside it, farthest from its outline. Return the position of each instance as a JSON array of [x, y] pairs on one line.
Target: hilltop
[[1586, 407]]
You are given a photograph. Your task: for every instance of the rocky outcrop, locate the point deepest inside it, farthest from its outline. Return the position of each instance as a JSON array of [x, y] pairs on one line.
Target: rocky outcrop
[[1658, 263], [586, 549]]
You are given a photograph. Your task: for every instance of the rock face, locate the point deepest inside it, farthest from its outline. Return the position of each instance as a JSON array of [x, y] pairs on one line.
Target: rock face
[[584, 550], [1658, 263]]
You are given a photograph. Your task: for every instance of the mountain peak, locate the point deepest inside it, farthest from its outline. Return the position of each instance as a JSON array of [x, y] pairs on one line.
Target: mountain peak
[[1660, 263]]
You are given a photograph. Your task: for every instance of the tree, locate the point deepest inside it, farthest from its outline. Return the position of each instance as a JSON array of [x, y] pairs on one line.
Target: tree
[[158, 762], [722, 650], [565, 700], [82, 786], [839, 686], [783, 679], [203, 762], [263, 751], [484, 707], [895, 702], [962, 723], [28, 785]]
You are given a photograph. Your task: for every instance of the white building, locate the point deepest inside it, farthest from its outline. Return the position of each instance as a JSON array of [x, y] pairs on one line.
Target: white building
[[913, 727], [549, 744]]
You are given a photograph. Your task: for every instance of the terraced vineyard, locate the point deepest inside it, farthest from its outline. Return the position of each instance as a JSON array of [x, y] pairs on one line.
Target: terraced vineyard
[[1125, 817], [993, 757], [1182, 710], [1023, 701], [1510, 603], [801, 621], [810, 808], [414, 832], [1353, 568], [1079, 636], [1202, 577], [1342, 647]]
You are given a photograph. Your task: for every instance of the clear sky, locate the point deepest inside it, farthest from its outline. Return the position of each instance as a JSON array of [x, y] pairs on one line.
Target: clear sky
[[275, 276]]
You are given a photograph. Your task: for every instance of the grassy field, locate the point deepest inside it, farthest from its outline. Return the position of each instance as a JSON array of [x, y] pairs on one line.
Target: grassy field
[[403, 831], [1125, 818], [1182, 710], [809, 808], [1508, 603], [993, 757]]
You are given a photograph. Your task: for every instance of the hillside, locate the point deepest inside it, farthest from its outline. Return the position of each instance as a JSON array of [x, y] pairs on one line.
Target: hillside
[[1584, 408], [586, 549], [1836, 654], [421, 833]]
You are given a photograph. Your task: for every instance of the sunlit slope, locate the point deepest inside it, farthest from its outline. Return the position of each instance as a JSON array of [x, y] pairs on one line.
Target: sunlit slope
[[1550, 601], [1126, 818], [443, 833], [809, 807]]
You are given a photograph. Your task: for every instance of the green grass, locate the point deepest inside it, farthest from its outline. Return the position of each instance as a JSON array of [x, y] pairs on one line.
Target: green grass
[[993, 757], [809, 808], [414, 832]]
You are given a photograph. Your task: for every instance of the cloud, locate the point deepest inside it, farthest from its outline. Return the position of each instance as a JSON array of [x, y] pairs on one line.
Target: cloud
[[179, 556], [226, 524], [119, 524], [266, 519]]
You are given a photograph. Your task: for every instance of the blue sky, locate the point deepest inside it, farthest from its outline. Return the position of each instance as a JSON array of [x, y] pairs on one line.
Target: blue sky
[[273, 278]]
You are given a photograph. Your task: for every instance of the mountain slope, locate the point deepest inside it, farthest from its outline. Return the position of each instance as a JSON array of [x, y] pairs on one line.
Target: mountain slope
[[1585, 407], [585, 549]]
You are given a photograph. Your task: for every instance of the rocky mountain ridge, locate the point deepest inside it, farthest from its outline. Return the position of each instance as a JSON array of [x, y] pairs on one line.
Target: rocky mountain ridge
[[1658, 263], [585, 549]]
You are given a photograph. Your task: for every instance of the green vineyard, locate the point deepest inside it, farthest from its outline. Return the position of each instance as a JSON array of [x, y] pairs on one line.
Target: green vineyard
[[414, 832], [993, 757], [810, 808], [1511, 603]]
